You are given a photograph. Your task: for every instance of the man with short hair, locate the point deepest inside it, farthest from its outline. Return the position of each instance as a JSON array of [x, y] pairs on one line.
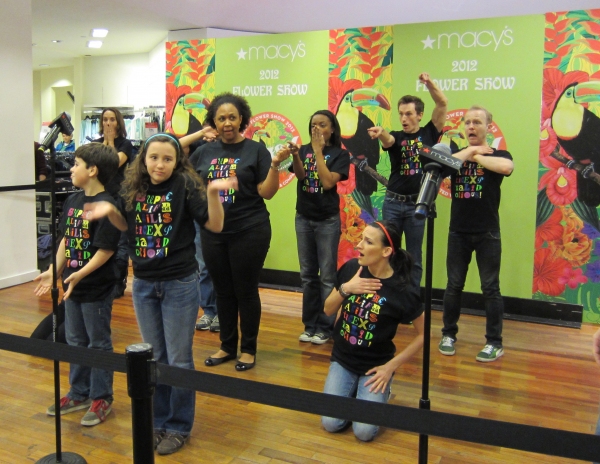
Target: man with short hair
[[475, 226], [407, 167]]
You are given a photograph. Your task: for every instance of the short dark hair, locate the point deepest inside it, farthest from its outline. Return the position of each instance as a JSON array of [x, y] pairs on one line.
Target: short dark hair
[[224, 98], [419, 104], [335, 139], [104, 157], [121, 131]]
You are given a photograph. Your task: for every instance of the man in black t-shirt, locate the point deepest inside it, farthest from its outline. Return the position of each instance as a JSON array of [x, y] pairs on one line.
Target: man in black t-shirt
[[475, 226], [407, 168]]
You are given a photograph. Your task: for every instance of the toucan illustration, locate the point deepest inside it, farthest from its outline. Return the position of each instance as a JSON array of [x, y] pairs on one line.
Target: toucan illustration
[[578, 132], [182, 119], [356, 139]]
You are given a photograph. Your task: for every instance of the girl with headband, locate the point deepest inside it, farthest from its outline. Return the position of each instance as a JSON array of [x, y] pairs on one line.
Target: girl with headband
[[375, 294], [162, 197]]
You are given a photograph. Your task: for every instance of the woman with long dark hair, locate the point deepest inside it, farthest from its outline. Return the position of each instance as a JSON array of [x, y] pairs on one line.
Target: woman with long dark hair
[[375, 294]]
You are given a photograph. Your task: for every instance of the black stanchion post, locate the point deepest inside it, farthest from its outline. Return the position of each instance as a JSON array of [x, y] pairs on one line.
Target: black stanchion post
[[141, 379], [425, 402]]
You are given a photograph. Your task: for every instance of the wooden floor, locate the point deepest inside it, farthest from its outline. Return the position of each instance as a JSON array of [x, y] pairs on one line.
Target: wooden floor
[[547, 377]]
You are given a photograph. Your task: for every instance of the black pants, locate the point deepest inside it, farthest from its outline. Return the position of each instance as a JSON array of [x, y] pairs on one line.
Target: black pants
[[234, 262]]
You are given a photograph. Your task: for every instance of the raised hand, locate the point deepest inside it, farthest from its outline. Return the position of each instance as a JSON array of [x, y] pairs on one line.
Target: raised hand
[[375, 132], [226, 184], [317, 140]]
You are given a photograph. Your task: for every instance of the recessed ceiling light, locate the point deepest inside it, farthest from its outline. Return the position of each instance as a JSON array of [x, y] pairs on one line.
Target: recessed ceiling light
[[94, 43], [44, 65], [57, 41], [99, 32]]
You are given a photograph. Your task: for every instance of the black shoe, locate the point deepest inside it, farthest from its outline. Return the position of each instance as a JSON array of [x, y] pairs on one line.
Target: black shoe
[[242, 366], [216, 361]]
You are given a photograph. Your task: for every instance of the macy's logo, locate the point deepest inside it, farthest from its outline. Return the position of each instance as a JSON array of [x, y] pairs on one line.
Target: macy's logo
[[272, 52], [470, 39]]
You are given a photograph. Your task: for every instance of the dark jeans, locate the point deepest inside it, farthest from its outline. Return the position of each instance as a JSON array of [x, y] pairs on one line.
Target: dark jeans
[[317, 253], [234, 262], [402, 215], [208, 300], [488, 251]]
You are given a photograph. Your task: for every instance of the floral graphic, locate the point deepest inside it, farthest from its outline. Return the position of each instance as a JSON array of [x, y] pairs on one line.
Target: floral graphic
[[360, 88], [566, 260]]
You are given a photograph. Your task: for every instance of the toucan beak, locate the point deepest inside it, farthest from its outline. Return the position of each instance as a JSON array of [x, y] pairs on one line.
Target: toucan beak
[[369, 97], [587, 92], [262, 132], [195, 101]]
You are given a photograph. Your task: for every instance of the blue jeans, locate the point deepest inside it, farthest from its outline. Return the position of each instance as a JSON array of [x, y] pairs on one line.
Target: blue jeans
[[88, 325], [488, 251], [166, 312], [317, 253], [208, 299], [402, 215], [342, 382]]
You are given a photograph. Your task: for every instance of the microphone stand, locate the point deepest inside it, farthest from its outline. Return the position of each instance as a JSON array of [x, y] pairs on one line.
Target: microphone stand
[[425, 402], [59, 456]]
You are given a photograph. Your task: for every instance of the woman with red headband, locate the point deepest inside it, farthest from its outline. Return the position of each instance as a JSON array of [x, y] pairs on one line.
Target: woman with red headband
[[375, 294]]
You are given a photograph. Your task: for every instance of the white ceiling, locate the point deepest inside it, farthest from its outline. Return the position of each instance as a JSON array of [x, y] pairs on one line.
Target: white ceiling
[[137, 26]]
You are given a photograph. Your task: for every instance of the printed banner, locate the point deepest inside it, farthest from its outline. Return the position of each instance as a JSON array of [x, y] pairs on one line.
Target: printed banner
[[566, 258]]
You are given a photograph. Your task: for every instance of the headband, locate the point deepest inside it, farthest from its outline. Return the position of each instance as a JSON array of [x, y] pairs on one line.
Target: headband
[[387, 235], [164, 134]]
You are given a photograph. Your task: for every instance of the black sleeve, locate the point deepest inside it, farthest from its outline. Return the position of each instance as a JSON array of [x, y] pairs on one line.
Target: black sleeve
[[341, 164], [125, 147]]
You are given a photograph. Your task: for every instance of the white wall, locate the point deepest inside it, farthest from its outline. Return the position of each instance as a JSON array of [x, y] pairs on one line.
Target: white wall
[[120, 80], [18, 262]]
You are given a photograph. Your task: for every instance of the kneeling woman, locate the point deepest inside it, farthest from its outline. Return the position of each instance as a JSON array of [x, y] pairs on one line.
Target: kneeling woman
[[375, 295]]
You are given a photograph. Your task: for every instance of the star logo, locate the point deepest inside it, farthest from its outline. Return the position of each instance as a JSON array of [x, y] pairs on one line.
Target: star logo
[[428, 42], [241, 54]]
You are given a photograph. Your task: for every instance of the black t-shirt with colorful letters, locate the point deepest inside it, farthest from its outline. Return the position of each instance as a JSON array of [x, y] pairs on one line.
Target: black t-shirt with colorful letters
[[406, 165], [250, 162], [83, 239], [363, 334], [313, 201], [161, 229], [475, 194]]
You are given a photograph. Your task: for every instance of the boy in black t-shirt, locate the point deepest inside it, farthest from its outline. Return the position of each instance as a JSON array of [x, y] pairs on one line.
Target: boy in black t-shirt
[[86, 255], [475, 226]]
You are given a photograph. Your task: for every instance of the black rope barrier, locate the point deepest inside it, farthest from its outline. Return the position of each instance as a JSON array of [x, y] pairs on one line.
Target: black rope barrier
[[534, 439], [14, 188]]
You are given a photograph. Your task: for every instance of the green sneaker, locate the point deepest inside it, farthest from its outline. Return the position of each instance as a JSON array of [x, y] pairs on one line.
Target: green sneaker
[[446, 346], [489, 353]]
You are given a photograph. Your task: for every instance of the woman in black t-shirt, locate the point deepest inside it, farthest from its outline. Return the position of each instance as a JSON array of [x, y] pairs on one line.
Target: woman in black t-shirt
[[318, 166], [375, 294], [235, 257]]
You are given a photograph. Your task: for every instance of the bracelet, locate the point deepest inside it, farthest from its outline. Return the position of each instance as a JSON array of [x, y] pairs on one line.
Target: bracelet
[[275, 168], [342, 292]]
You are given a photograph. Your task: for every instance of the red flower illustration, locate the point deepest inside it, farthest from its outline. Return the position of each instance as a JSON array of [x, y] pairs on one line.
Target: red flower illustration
[[561, 185], [551, 230], [547, 270]]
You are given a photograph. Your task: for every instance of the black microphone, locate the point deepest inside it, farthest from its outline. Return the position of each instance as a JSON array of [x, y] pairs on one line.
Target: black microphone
[[61, 124], [442, 165]]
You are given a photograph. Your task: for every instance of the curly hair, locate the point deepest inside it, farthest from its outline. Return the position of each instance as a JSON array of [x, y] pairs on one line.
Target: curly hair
[[224, 98], [121, 131], [335, 139], [137, 180]]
